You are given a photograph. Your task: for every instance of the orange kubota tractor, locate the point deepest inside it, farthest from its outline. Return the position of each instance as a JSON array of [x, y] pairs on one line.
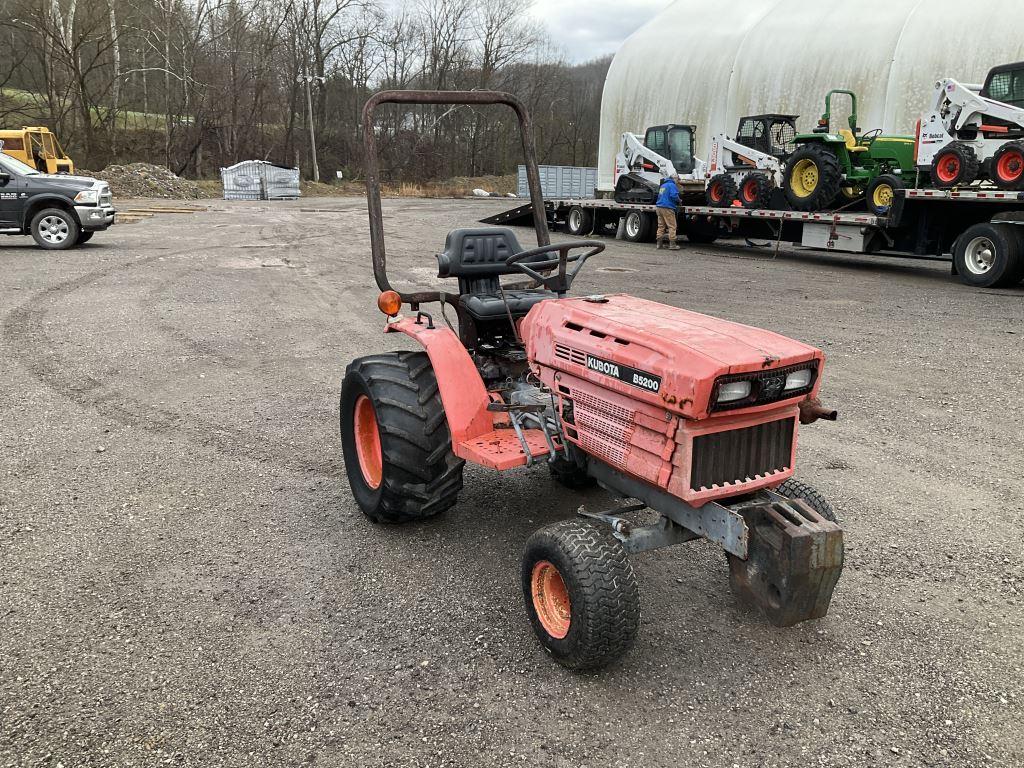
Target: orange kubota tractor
[[693, 417]]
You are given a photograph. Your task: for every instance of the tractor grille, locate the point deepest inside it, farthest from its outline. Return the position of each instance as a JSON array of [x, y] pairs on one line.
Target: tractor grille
[[604, 427], [741, 455]]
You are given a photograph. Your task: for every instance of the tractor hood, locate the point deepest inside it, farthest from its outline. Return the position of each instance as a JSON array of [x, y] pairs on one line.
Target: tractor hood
[[657, 353]]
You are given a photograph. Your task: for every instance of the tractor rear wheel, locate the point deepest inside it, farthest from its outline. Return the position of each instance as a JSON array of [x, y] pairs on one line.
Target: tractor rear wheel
[[955, 166], [881, 193], [581, 594], [794, 489], [756, 190], [1008, 166], [395, 439], [989, 255], [721, 191], [813, 178]]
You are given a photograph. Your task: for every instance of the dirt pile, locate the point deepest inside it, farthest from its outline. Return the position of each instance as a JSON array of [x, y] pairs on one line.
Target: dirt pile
[[146, 180]]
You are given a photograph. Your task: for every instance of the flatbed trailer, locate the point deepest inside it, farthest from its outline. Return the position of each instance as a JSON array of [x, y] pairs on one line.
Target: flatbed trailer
[[980, 232]]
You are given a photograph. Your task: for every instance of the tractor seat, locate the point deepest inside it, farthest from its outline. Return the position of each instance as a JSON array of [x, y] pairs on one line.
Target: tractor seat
[[489, 306], [476, 256], [851, 141]]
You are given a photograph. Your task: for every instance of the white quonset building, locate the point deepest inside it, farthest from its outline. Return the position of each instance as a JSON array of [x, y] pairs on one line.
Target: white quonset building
[[706, 63]]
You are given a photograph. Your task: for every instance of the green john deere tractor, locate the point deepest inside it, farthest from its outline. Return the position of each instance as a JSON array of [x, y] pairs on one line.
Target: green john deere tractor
[[845, 165]]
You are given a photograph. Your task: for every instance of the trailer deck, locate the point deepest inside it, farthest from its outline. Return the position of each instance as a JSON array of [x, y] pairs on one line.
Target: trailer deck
[[922, 223]]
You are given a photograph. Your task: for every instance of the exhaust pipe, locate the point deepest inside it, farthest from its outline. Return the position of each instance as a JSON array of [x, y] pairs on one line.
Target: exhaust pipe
[[811, 410]]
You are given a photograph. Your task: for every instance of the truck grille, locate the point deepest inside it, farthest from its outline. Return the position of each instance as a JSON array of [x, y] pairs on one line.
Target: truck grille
[[741, 455]]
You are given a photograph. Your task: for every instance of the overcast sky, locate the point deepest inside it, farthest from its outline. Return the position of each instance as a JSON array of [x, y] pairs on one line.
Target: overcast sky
[[587, 29]]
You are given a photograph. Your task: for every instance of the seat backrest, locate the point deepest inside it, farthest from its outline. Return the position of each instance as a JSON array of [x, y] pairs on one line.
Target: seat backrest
[[477, 253]]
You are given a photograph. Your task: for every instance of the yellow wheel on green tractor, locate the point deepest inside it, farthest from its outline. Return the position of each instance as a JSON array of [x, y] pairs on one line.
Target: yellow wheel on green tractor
[[804, 179], [813, 177], [880, 194], [883, 196]]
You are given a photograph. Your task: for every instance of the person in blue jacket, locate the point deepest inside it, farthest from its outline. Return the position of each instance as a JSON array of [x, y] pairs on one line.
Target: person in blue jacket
[[667, 205]]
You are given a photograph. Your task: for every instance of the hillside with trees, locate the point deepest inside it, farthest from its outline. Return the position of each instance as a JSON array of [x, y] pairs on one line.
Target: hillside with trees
[[199, 84]]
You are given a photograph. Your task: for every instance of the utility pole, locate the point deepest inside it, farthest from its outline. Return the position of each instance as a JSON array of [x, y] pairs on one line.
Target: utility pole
[[308, 80]]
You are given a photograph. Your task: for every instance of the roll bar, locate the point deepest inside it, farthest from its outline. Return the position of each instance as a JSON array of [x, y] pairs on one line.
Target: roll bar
[[478, 98]]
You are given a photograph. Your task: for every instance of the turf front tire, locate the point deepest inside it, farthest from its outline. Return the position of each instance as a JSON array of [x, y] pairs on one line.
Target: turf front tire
[[395, 439], [813, 178], [581, 594], [794, 489], [55, 229]]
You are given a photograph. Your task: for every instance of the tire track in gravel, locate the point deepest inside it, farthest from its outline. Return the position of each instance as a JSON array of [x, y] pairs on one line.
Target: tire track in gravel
[[25, 339]]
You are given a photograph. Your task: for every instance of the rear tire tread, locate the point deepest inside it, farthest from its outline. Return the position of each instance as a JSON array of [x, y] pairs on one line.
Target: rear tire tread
[[421, 477]]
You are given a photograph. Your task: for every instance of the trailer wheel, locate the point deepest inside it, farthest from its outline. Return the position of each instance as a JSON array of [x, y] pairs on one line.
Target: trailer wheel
[[1008, 166], [721, 191], [581, 594], [813, 178], [639, 227], [395, 439], [794, 489], [756, 190], [579, 221], [55, 229], [989, 255], [881, 193], [955, 166], [700, 231]]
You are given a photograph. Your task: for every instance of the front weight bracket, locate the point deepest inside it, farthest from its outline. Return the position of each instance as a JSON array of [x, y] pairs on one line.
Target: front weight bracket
[[794, 558]]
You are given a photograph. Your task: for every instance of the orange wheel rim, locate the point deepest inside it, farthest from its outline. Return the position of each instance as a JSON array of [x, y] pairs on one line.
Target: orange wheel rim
[[949, 168], [1010, 166], [717, 193], [364, 424], [550, 599], [750, 191]]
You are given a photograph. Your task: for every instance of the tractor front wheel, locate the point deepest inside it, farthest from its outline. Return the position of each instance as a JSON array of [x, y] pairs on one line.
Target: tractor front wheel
[[881, 193], [395, 439], [955, 166], [813, 178], [1008, 166], [794, 489], [581, 594]]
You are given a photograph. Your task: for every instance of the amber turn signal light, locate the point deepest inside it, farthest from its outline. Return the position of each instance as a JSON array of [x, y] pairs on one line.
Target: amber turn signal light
[[389, 303]]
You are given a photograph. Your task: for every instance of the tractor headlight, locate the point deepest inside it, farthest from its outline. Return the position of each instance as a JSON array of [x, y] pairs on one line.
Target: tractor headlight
[[731, 391], [88, 197], [798, 379]]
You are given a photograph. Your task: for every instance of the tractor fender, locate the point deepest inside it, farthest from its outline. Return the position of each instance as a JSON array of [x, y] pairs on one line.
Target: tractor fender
[[462, 390]]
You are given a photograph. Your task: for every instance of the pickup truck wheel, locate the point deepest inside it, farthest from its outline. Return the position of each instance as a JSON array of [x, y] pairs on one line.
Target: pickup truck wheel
[[54, 229], [989, 255]]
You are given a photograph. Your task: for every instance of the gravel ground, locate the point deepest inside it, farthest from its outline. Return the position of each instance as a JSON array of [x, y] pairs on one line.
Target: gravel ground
[[186, 579]]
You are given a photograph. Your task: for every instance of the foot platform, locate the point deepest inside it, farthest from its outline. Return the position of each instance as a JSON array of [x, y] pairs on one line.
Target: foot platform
[[502, 449]]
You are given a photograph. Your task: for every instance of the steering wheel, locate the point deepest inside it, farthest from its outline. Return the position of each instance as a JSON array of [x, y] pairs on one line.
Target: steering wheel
[[560, 281], [867, 139]]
